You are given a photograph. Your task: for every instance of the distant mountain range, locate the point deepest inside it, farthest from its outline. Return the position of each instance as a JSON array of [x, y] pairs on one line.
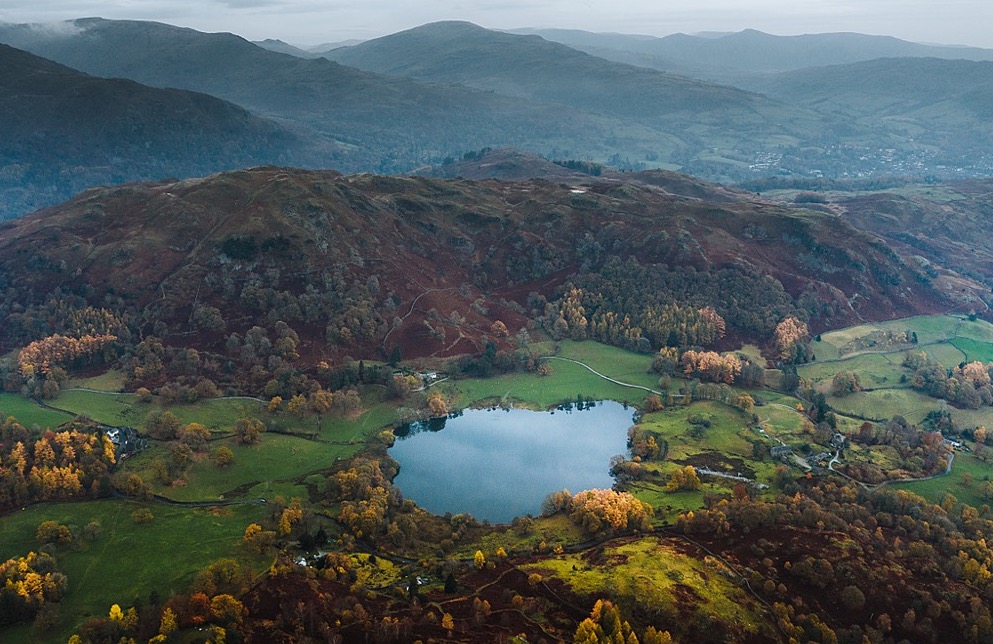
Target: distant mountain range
[[63, 131], [416, 98], [729, 57]]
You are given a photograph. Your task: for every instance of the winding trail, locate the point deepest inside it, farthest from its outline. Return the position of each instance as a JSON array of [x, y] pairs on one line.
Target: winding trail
[[607, 378], [873, 488]]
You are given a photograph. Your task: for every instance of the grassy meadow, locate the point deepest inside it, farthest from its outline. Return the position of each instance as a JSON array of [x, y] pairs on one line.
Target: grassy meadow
[[128, 561]]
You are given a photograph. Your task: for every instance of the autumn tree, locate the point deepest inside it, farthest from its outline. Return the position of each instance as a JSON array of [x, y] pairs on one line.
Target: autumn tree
[[297, 405], [257, 539], [226, 609], [53, 532], [598, 510], [194, 435], [846, 382], [499, 329], [222, 456], [291, 515], [712, 366], [27, 584], [791, 337], [249, 430], [437, 408], [321, 401], [684, 478], [400, 385]]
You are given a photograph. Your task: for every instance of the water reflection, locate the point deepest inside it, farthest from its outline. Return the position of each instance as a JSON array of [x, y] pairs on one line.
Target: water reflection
[[500, 463]]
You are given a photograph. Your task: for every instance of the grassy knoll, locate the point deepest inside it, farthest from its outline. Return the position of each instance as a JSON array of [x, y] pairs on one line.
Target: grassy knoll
[[876, 369], [107, 408], [129, 561], [108, 381], [652, 573], [725, 446], [968, 472], [28, 413], [278, 459], [930, 329], [552, 531], [883, 404]]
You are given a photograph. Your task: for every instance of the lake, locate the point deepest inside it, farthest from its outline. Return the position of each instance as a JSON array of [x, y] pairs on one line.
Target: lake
[[496, 464]]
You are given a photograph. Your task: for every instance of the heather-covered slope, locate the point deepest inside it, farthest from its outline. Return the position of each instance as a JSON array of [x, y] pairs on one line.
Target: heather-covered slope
[[360, 265]]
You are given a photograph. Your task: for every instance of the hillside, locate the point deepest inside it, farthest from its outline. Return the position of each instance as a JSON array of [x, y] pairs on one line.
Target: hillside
[[950, 228], [63, 131], [944, 105], [426, 266]]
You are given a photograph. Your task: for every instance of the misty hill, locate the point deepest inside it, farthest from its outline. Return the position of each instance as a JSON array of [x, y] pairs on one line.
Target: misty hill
[[534, 68], [428, 265], [741, 54], [947, 104], [285, 48], [372, 122], [63, 130]]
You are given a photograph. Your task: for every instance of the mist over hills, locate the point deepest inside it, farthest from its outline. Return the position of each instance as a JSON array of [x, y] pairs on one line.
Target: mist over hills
[[63, 131], [730, 57], [414, 99], [372, 122]]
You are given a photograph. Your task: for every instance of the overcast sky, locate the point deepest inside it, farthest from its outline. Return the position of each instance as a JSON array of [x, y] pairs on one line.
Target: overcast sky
[[310, 22]]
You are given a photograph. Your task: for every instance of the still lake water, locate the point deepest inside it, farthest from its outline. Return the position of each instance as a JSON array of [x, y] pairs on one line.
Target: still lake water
[[499, 464]]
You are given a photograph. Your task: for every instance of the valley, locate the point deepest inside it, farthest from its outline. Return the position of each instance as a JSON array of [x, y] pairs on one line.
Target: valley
[[452, 335]]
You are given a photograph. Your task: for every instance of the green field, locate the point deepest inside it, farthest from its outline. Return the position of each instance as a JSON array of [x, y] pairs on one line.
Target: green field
[[973, 349], [128, 560], [876, 369], [963, 483], [883, 404], [567, 380], [28, 413], [277, 459], [930, 329]]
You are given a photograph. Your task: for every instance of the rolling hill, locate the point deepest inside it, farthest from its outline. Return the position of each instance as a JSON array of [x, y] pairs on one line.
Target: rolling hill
[[63, 131], [427, 265]]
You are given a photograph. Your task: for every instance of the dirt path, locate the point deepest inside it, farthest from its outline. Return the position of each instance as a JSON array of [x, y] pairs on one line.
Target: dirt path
[[607, 378]]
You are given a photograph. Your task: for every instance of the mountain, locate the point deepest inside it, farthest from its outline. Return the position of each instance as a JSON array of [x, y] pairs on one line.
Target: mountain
[[285, 48], [370, 122], [63, 131], [724, 57], [425, 266], [533, 68]]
